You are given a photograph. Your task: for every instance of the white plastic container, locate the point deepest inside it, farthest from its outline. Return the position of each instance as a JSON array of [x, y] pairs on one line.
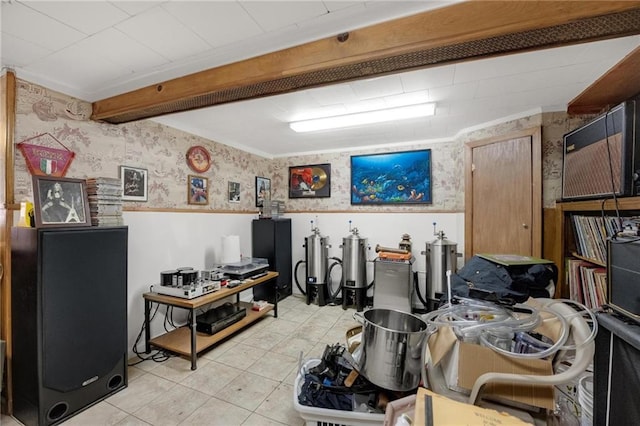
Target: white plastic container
[[585, 398], [326, 417]]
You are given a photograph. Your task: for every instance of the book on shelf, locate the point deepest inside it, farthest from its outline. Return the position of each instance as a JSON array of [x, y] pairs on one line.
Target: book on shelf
[[592, 232], [587, 283]]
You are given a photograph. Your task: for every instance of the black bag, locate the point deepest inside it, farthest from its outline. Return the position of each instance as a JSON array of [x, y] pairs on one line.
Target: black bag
[[509, 283], [314, 394], [324, 385]]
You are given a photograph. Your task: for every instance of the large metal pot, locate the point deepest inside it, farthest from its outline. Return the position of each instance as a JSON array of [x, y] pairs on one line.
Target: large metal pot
[[390, 351]]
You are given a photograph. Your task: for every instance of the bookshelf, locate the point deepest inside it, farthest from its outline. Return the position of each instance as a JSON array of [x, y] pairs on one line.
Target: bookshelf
[[562, 247]]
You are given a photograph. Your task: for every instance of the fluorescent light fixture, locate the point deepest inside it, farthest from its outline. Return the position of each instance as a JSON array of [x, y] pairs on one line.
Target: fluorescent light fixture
[[367, 117]]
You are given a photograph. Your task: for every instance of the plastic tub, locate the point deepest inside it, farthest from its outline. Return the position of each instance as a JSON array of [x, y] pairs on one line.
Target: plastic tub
[[314, 416], [585, 398]]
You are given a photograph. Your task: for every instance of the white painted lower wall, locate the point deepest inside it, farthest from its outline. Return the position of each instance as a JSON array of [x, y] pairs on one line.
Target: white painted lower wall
[[160, 241]]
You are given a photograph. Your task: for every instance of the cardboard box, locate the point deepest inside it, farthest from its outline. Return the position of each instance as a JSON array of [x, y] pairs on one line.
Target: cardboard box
[[462, 363], [434, 409]]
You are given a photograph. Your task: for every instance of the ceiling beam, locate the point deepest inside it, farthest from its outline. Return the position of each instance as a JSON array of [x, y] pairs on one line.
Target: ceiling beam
[[617, 85], [463, 31]]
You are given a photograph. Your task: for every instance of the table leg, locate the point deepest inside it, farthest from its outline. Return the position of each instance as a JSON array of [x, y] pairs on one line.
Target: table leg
[[277, 296], [147, 326], [194, 354]]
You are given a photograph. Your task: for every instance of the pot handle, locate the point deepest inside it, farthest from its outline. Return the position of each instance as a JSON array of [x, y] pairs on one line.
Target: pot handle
[[358, 317]]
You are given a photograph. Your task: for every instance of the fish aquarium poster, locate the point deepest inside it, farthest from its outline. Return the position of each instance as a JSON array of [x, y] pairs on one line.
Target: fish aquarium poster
[[391, 178]]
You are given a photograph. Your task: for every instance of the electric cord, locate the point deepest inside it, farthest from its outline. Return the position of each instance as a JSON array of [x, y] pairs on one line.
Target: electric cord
[[416, 285], [158, 355], [333, 295], [295, 276]]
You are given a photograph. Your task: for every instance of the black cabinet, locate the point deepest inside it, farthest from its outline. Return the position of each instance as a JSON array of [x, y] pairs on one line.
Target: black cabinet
[[271, 239], [616, 376], [68, 319]]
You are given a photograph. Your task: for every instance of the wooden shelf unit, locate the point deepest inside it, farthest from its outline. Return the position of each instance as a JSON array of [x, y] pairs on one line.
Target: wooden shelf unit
[[186, 340], [178, 340], [559, 238]]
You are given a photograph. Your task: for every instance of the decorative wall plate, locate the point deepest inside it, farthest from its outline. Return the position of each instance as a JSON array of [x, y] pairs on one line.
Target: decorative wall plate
[[198, 159]]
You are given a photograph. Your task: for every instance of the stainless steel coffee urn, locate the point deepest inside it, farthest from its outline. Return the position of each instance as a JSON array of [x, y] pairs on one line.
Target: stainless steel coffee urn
[[441, 257], [354, 270], [317, 259]]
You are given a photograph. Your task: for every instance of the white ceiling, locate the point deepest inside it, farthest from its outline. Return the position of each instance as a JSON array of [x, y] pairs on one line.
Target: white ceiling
[[96, 49]]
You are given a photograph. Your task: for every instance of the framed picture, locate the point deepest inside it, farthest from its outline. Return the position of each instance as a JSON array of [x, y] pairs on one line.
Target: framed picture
[[313, 181], [198, 190], [391, 178], [60, 202], [234, 192], [134, 183], [263, 190]]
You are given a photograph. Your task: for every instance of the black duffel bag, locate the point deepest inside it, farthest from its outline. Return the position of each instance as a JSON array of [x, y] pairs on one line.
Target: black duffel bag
[[506, 282]]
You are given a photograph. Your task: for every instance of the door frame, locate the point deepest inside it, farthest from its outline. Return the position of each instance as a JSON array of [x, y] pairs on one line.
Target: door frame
[[8, 100], [535, 133]]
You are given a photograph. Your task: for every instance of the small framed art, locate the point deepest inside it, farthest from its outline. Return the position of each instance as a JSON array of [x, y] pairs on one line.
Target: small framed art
[[198, 190], [60, 202], [263, 190], [312, 181], [134, 183], [234, 192]]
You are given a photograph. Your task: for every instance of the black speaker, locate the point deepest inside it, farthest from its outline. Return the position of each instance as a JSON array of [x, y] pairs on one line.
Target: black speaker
[[271, 239], [69, 320], [623, 280], [616, 376]]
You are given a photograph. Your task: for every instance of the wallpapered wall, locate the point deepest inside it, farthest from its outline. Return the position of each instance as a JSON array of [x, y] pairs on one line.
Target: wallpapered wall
[[101, 147]]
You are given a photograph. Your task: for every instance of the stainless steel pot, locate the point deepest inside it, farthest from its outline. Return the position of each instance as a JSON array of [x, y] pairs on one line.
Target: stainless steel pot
[[390, 351]]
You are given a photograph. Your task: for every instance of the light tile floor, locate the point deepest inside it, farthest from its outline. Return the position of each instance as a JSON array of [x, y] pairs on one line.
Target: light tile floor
[[246, 380]]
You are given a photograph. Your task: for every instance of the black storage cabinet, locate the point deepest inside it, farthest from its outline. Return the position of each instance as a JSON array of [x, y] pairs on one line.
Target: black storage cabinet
[[69, 320], [271, 239], [616, 376]]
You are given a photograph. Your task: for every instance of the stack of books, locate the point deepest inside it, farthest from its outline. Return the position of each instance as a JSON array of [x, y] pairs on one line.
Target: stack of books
[[105, 201]]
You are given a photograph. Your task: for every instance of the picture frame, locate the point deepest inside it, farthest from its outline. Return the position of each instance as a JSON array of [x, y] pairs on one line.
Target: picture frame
[[134, 181], [60, 202], [310, 181], [198, 190], [391, 178], [263, 190], [234, 192]]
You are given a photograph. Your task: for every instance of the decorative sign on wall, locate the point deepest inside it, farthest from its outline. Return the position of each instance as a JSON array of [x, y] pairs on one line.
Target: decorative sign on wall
[[198, 159], [44, 160]]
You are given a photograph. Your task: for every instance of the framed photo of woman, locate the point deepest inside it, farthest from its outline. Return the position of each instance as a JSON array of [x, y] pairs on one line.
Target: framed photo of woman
[[263, 190], [60, 202]]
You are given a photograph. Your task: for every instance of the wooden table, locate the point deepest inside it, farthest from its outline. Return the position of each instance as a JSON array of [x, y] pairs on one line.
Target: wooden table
[[186, 340]]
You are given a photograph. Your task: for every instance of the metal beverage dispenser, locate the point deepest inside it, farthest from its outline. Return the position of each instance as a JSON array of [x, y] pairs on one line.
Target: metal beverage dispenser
[[317, 259], [354, 270], [441, 257]]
